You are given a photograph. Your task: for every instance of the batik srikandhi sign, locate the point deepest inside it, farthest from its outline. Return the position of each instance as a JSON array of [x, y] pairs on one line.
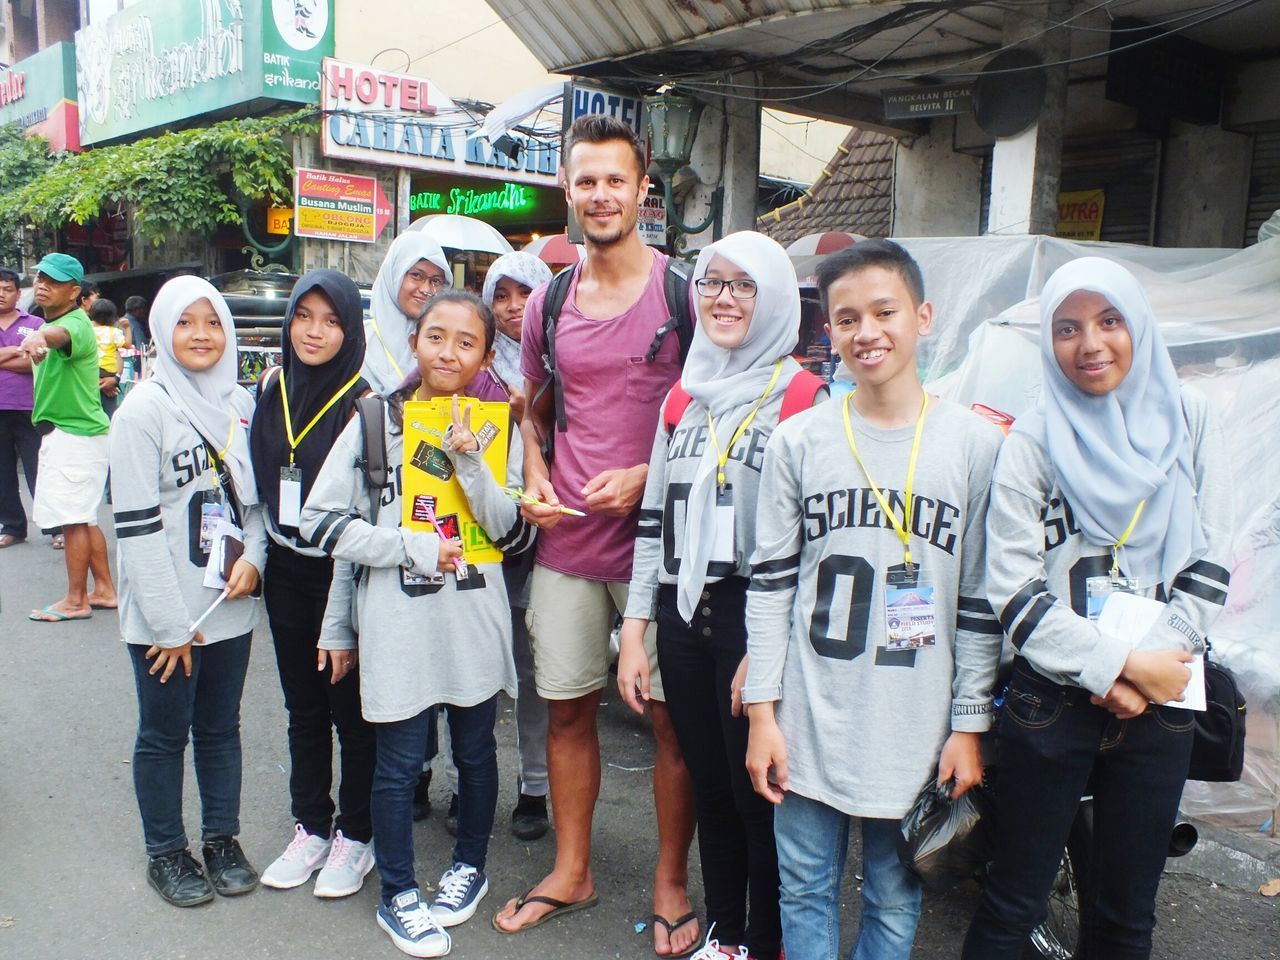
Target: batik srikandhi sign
[[400, 120], [158, 62]]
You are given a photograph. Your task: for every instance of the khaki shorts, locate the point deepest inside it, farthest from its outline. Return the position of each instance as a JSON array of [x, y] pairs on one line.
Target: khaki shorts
[[71, 479], [569, 621]]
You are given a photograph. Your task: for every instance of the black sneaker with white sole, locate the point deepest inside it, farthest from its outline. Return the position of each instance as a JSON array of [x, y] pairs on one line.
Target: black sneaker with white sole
[[179, 879]]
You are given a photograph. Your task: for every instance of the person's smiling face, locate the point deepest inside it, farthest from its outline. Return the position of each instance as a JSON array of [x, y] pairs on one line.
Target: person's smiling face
[[725, 315], [199, 339], [420, 283], [1091, 342], [315, 332]]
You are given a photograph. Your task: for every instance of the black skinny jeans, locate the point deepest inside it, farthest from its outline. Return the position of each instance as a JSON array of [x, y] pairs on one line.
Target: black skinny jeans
[[735, 824], [1053, 744], [18, 439], [296, 589]]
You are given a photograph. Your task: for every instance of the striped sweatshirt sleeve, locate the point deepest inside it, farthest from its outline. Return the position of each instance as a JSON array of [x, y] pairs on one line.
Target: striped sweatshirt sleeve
[[141, 542], [642, 595], [775, 572]]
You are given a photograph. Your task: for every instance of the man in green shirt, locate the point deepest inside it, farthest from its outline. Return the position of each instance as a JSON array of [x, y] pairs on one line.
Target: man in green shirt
[[73, 452]]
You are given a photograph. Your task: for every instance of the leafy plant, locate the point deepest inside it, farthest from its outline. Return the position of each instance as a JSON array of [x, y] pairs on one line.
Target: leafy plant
[[22, 160], [187, 181]]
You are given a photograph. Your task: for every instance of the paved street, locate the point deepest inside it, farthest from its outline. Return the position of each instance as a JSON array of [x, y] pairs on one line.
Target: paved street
[[71, 860]]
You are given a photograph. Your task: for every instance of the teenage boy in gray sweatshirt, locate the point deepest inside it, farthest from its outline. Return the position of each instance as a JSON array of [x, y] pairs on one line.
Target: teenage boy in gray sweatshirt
[[872, 649]]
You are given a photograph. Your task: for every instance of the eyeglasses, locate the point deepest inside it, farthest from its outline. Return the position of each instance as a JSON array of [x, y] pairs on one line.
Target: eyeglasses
[[738, 289], [434, 281]]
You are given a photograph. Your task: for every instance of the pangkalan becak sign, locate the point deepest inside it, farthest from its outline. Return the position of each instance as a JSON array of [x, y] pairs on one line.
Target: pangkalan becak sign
[[157, 62], [400, 120]]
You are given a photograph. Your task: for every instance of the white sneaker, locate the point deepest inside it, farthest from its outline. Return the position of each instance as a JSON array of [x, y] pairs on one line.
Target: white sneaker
[[301, 858], [344, 871], [711, 950], [461, 889]]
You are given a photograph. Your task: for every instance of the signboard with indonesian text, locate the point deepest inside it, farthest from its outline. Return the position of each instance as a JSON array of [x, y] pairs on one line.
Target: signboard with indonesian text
[[157, 62], [401, 120], [339, 206], [39, 95], [1080, 214]]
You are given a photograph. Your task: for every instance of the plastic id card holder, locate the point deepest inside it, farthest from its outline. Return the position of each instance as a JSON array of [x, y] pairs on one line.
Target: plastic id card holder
[[908, 609], [227, 547], [1097, 589], [722, 545], [213, 509], [417, 580], [290, 513]]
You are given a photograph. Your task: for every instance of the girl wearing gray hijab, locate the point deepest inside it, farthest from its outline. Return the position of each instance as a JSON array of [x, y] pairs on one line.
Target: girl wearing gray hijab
[[694, 542], [414, 271], [1117, 481]]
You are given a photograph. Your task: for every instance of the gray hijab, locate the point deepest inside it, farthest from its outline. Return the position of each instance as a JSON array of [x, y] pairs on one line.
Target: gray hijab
[[523, 268], [388, 358], [729, 382], [1112, 452]]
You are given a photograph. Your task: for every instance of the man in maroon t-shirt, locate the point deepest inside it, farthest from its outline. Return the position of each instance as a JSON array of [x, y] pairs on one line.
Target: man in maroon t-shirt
[[612, 396], [18, 436]]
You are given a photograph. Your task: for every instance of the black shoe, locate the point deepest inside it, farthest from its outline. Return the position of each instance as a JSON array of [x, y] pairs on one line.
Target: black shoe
[[421, 801], [529, 818], [179, 879], [451, 818], [228, 867]]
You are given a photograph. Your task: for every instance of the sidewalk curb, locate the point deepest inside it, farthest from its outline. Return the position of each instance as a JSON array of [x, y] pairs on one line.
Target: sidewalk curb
[[1230, 857]]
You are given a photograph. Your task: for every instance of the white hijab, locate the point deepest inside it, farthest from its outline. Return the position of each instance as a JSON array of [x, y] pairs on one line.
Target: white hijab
[[1132, 444], [387, 330], [729, 382], [523, 268], [215, 404]]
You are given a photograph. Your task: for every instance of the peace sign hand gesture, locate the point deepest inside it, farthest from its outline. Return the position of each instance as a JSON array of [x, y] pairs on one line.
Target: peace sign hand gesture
[[461, 439]]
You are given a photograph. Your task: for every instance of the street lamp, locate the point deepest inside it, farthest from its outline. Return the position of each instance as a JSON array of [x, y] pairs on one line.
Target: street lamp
[[673, 124]]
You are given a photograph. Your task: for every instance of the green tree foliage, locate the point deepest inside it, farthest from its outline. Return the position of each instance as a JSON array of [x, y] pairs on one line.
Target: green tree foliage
[[22, 160], [188, 181]]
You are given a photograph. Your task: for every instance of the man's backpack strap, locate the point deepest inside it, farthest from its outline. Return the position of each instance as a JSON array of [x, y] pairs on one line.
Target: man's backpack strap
[[800, 395], [373, 439], [675, 289], [552, 304]]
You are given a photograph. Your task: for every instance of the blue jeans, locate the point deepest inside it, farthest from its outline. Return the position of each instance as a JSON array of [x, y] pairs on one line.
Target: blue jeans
[[402, 748], [813, 842], [206, 704], [1054, 745]]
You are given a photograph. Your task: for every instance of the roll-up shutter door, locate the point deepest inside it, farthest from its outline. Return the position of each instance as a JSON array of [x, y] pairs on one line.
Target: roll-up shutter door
[[1264, 183], [1126, 166]]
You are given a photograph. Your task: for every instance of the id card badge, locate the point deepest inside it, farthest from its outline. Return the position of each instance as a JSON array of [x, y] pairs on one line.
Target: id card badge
[[722, 544], [908, 609], [410, 579], [290, 513], [227, 548], [1097, 589], [213, 509]]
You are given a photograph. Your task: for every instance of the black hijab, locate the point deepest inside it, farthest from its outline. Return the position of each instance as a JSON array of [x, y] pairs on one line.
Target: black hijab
[[309, 389]]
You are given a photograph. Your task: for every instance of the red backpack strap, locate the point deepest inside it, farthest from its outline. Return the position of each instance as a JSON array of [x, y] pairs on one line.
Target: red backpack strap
[[677, 403], [801, 391]]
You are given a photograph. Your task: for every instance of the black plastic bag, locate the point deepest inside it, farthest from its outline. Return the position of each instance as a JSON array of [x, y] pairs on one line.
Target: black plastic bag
[[943, 841]]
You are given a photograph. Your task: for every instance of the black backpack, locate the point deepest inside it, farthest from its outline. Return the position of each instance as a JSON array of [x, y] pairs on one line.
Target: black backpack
[[675, 288]]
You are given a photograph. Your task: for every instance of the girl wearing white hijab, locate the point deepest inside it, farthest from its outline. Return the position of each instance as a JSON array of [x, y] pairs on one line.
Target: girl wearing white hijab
[[507, 285], [414, 271], [180, 473], [692, 564], [1116, 481]]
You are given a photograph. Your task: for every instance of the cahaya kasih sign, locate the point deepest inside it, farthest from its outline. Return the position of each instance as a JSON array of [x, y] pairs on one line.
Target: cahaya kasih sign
[[399, 120], [157, 62]]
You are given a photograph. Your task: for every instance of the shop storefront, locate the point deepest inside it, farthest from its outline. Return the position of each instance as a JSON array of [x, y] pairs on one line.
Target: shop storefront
[[39, 95]]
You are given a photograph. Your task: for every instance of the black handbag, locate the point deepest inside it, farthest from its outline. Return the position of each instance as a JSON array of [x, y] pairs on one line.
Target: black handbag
[[1217, 750]]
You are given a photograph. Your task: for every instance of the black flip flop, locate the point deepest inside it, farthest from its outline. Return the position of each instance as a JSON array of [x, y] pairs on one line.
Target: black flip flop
[[671, 927], [559, 908]]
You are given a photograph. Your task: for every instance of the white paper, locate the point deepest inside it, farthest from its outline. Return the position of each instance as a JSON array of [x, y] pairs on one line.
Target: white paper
[[213, 569], [722, 545], [290, 513], [1129, 617]]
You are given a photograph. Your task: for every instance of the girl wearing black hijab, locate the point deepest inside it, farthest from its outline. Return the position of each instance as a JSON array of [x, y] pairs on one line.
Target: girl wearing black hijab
[[301, 411]]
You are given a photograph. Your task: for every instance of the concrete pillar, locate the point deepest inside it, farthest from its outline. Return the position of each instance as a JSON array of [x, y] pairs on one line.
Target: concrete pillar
[[1204, 189], [935, 190], [726, 154], [1025, 168]]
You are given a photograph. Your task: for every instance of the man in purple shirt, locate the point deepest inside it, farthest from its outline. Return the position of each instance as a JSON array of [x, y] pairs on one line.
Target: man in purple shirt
[[18, 436], [613, 386]]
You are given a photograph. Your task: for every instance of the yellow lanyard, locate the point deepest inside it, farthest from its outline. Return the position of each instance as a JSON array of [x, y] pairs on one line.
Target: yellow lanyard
[[722, 456], [902, 528], [222, 454], [1115, 548], [288, 421], [387, 350]]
